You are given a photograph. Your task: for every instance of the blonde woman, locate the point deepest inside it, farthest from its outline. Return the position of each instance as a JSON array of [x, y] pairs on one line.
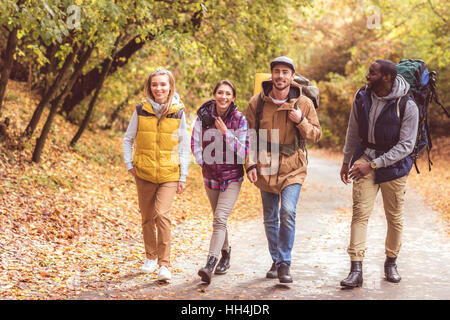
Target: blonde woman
[[159, 164]]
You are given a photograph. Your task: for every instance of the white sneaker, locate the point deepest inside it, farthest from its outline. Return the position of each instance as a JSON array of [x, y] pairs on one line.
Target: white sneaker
[[164, 274], [150, 265]]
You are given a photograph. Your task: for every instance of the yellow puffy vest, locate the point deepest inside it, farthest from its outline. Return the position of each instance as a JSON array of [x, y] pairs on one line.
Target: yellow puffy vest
[[156, 156]]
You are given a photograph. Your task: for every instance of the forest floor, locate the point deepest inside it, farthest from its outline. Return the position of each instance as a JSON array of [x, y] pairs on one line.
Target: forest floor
[[70, 226]]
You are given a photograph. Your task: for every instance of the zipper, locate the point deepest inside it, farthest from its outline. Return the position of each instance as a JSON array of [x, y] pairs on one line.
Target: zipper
[[157, 154]]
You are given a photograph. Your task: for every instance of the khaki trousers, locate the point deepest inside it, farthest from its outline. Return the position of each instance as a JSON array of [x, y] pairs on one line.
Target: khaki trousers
[[364, 193], [155, 201], [222, 203]]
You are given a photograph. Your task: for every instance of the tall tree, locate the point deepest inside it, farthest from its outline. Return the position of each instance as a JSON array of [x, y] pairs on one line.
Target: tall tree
[[103, 74], [9, 57], [49, 94], [40, 142]]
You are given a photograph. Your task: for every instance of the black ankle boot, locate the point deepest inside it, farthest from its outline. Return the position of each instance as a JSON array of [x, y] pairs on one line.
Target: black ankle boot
[[273, 272], [205, 273], [224, 262], [390, 270], [355, 277], [283, 273]]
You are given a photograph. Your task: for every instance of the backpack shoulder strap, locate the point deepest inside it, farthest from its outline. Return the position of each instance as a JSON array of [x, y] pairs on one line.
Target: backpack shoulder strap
[[259, 109], [401, 105], [139, 108]]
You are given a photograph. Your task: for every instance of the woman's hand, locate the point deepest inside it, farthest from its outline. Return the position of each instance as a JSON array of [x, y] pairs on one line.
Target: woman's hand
[[181, 187], [133, 172], [220, 125]]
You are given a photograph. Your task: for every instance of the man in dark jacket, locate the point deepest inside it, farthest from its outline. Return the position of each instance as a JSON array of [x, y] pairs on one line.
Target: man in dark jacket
[[381, 135]]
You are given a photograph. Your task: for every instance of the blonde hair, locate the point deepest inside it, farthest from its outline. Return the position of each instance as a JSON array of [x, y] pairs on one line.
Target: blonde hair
[[149, 94]]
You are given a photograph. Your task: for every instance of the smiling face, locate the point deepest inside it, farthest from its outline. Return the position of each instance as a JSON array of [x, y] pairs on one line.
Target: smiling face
[[160, 88], [375, 77], [224, 96], [282, 76]]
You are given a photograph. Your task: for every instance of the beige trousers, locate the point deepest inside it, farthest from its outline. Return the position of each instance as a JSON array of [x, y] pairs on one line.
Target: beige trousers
[[155, 201], [364, 193], [222, 203]]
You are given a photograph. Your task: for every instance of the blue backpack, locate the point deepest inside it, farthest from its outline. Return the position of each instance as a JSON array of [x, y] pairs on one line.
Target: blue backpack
[[423, 90]]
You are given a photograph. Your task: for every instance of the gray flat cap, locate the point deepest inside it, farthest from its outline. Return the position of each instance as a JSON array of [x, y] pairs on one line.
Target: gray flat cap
[[283, 60]]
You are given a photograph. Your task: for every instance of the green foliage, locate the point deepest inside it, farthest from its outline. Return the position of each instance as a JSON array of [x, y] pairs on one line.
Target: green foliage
[[335, 47], [202, 42]]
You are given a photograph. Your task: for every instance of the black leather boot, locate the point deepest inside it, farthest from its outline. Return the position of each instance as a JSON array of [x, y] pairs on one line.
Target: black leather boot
[[283, 273], [224, 262], [205, 273], [355, 277], [273, 272], [390, 270]]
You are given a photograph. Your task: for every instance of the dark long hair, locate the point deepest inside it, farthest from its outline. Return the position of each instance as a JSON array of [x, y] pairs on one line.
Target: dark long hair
[[226, 82]]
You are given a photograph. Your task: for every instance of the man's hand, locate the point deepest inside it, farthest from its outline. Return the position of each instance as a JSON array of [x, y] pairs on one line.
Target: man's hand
[[181, 187], [133, 172], [360, 170], [344, 173], [252, 175], [295, 115]]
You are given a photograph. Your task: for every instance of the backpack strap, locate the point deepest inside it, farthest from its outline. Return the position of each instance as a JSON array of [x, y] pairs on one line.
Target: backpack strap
[[299, 142], [434, 93], [141, 112], [259, 109], [401, 106], [177, 115]]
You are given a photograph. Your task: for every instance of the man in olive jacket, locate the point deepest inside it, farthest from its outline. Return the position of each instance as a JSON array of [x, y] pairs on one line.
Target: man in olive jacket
[[289, 119]]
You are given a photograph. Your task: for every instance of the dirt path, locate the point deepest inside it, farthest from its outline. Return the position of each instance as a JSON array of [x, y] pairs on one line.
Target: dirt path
[[319, 259]]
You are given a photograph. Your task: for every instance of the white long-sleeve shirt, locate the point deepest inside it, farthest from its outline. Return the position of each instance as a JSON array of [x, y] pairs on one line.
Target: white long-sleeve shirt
[[183, 140]]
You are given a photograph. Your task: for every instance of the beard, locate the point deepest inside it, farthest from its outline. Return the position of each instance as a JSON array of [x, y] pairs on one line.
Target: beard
[[377, 84], [281, 87]]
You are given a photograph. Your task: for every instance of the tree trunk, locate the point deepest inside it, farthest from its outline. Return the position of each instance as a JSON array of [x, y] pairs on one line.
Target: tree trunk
[[73, 78], [40, 142], [88, 82], [106, 69], [7, 66], [119, 108], [47, 97], [9, 59]]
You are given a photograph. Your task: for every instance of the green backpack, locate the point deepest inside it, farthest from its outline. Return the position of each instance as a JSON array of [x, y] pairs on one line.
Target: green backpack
[[423, 90]]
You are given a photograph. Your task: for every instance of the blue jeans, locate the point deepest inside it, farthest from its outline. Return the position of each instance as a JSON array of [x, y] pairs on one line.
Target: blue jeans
[[280, 230]]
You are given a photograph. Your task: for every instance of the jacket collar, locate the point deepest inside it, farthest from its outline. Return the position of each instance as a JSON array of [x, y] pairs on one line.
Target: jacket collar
[[294, 94]]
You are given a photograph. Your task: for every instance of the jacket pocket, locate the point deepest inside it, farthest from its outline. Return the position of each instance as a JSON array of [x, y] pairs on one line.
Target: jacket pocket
[[289, 164]]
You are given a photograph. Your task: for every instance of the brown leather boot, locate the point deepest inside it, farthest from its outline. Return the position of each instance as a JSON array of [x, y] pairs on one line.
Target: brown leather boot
[[224, 262], [273, 272], [355, 277], [390, 270], [206, 272]]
